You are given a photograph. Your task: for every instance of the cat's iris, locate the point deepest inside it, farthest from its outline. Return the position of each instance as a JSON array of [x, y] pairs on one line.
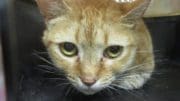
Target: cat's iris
[[68, 49], [113, 51]]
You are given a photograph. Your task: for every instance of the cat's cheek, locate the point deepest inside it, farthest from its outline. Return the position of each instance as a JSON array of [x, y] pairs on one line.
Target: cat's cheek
[[103, 83], [108, 63], [134, 81], [113, 65]]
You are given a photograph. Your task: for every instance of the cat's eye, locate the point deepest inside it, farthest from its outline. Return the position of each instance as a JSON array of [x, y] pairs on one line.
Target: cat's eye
[[113, 51], [68, 49]]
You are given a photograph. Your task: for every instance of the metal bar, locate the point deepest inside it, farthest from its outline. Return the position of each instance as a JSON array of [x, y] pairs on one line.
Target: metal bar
[[10, 51]]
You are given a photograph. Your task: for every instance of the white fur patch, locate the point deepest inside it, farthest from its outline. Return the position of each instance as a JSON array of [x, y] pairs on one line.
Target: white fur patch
[[124, 1], [134, 81]]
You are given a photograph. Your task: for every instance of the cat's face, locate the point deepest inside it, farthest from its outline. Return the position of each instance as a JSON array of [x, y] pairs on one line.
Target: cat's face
[[91, 56], [98, 50]]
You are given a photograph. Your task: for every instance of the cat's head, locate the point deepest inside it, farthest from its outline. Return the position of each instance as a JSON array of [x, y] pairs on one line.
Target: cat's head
[[95, 42]]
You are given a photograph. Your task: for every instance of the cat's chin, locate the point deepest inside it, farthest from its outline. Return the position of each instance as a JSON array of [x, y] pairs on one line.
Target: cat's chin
[[90, 90]]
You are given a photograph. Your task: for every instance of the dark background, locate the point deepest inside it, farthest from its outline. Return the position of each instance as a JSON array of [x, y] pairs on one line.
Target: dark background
[[21, 29]]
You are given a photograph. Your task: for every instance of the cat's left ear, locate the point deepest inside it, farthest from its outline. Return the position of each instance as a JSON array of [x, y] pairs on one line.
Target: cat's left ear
[[133, 9], [50, 8]]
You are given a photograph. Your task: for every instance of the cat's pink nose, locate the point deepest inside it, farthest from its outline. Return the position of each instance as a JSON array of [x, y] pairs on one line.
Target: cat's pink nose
[[88, 81]]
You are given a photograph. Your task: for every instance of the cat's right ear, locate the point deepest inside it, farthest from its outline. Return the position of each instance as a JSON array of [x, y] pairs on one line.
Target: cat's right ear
[[50, 8]]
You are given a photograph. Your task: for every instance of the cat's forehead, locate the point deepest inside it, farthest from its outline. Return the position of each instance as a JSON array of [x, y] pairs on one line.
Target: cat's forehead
[[101, 33]]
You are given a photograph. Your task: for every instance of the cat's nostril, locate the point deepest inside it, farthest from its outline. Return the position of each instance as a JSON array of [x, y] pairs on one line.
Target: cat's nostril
[[88, 81]]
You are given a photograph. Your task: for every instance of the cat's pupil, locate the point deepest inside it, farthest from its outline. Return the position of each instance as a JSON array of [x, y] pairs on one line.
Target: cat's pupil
[[69, 46], [114, 49]]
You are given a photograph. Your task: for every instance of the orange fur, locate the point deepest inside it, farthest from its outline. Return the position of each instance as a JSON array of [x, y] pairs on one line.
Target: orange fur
[[94, 25]]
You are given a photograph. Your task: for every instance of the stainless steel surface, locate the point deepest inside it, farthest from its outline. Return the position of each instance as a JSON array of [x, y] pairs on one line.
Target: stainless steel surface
[[163, 8], [159, 8]]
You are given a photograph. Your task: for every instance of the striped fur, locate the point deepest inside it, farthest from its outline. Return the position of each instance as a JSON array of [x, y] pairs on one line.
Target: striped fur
[[93, 25]]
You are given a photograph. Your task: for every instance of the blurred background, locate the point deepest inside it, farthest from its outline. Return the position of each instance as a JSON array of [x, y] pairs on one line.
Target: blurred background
[[21, 27]]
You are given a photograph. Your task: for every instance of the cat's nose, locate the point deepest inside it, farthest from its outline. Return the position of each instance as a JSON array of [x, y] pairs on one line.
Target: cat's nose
[[88, 81]]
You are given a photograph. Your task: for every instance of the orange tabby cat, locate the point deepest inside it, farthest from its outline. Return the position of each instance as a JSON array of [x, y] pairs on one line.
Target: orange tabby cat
[[99, 43]]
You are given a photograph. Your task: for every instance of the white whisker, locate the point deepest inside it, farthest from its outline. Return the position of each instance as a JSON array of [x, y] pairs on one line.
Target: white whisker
[[38, 52], [62, 84], [44, 59], [68, 91]]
